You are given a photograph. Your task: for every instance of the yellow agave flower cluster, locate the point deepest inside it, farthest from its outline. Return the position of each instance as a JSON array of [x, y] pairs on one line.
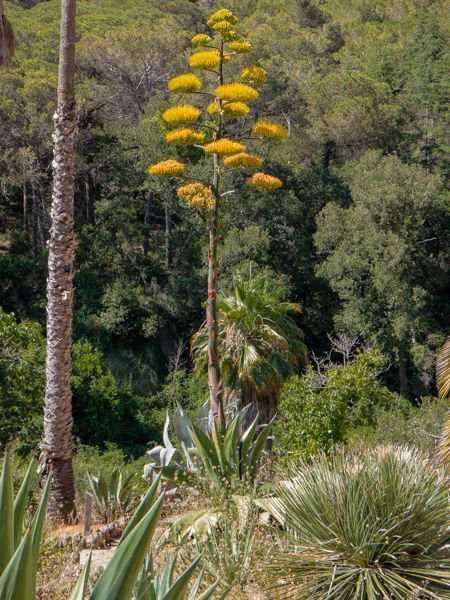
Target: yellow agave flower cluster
[[196, 195], [268, 129], [231, 101], [167, 167], [264, 181]]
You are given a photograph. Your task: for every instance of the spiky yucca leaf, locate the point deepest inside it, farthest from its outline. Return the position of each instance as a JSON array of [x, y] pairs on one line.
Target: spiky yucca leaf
[[365, 527]]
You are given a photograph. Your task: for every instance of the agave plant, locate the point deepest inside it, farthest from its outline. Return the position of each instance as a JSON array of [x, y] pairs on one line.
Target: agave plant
[[166, 586], [364, 527], [19, 550], [112, 493], [221, 459]]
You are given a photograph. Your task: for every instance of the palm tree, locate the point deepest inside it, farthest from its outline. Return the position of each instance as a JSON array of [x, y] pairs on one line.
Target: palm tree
[[7, 39], [443, 383], [56, 453], [259, 345]]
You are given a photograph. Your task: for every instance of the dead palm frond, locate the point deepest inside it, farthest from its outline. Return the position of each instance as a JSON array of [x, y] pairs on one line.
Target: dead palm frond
[[7, 39], [443, 383], [443, 370]]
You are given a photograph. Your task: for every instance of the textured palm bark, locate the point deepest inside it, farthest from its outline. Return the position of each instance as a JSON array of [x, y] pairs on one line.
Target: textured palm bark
[[56, 456], [7, 39]]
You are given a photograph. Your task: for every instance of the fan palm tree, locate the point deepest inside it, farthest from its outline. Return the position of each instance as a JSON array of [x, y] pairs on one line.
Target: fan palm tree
[[7, 39], [443, 383], [259, 345]]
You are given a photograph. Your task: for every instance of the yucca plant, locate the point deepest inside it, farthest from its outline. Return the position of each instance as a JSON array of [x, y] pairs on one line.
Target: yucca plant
[[112, 493], [364, 527]]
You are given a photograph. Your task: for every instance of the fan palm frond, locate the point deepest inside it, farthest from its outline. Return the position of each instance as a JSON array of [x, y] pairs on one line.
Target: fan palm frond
[[260, 344]]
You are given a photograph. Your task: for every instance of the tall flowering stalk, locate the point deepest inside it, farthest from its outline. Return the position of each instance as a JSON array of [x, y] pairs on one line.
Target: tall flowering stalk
[[219, 121]]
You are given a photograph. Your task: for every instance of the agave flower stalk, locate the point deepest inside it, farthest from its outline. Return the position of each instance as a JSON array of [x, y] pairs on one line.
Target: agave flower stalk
[[215, 127]]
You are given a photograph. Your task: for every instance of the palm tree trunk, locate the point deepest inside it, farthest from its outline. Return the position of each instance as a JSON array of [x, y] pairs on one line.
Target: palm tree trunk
[[56, 453], [7, 39]]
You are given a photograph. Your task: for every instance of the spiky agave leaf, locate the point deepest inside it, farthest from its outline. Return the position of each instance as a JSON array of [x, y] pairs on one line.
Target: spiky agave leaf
[[6, 513], [119, 577], [20, 503], [364, 527]]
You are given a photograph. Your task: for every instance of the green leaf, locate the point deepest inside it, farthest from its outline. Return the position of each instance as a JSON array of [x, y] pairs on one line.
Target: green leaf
[[179, 588], [6, 514], [18, 580], [81, 586], [20, 503], [121, 573], [143, 508]]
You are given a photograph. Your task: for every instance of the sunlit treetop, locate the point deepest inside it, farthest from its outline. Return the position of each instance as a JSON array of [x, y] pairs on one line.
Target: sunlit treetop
[[219, 122]]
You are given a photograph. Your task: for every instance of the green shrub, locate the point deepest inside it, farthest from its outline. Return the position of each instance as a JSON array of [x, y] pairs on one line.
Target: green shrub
[[369, 525], [22, 363], [317, 414], [310, 420], [104, 410], [417, 426]]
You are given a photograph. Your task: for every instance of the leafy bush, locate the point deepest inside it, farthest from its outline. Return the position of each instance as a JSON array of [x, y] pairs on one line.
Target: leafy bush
[[22, 362], [309, 420], [417, 426], [364, 526], [316, 414], [104, 410]]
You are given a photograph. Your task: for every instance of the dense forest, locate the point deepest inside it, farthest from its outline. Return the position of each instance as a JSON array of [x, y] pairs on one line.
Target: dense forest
[[358, 235], [224, 300]]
